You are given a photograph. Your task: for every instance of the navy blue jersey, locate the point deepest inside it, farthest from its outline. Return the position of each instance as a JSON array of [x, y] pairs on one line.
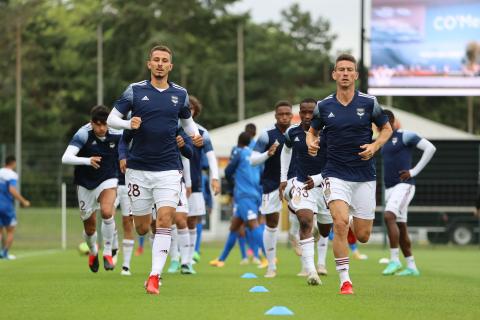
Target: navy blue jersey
[[348, 127], [397, 156], [154, 147], [196, 159], [305, 165], [90, 145], [271, 172], [247, 177]]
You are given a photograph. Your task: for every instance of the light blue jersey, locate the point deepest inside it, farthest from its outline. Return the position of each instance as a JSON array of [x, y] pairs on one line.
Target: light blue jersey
[[8, 178]]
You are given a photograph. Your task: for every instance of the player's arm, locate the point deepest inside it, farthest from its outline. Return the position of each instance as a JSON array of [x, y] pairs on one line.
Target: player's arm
[[285, 159], [70, 154], [312, 137], [232, 166], [188, 124], [12, 188], [186, 175], [185, 144], [260, 153], [212, 163], [428, 151], [385, 131], [121, 109]]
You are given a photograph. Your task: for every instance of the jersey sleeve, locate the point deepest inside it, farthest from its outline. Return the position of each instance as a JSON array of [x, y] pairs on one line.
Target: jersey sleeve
[[410, 139], [288, 139], [232, 164], [125, 103], [80, 138], [187, 149], [207, 143], [378, 117], [317, 122], [262, 142], [184, 112], [12, 179]]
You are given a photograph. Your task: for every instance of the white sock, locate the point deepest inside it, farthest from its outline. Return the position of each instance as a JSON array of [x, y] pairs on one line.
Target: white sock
[[342, 266], [160, 247], [174, 254], [394, 254], [270, 242], [193, 242], [115, 240], [308, 254], [108, 228], [411, 263], [184, 245], [322, 248], [127, 247], [91, 242]]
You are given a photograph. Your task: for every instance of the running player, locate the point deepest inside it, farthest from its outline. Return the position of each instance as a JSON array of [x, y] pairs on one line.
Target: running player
[[8, 195], [400, 189], [305, 203], [267, 150], [349, 174], [94, 151], [153, 172]]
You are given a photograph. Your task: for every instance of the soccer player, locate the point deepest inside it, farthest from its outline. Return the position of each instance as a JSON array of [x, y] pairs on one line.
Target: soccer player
[[153, 172], [399, 191], [349, 174], [196, 201], [247, 179], [267, 150], [93, 151], [8, 195], [305, 203]]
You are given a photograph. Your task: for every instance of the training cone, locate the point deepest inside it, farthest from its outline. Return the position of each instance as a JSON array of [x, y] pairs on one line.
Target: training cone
[[249, 275], [279, 311], [258, 289]]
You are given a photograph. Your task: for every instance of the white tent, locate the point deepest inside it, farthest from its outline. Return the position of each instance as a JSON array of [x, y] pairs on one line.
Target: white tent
[[224, 138]]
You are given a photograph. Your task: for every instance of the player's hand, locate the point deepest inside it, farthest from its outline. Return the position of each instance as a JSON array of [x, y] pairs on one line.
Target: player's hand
[[189, 192], [281, 189], [272, 149], [405, 175], [135, 122], [123, 165], [309, 183], [313, 144], [95, 162], [368, 151], [197, 141], [215, 186], [180, 142], [25, 203]]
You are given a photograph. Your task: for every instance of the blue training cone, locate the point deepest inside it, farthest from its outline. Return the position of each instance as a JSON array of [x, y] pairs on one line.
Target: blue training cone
[[258, 289], [249, 275], [279, 311]]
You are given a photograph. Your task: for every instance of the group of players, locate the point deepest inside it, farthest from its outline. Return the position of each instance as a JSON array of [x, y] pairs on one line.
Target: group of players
[[323, 167]]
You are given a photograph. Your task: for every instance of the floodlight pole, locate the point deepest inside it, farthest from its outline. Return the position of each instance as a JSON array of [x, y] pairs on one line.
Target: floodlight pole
[[99, 63], [363, 71], [240, 73], [18, 101]]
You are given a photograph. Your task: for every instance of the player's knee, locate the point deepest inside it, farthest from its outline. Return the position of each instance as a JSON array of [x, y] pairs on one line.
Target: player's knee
[[363, 236], [389, 217], [305, 225], [142, 229], [324, 229]]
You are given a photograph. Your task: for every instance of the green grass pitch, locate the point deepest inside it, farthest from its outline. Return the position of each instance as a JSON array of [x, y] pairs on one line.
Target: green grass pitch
[[55, 284]]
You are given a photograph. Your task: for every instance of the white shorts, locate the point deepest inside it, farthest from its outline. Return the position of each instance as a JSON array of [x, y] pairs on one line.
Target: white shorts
[[88, 199], [123, 200], [397, 199], [271, 202], [305, 199], [148, 188], [183, 203], [196, 205], [360, 196]]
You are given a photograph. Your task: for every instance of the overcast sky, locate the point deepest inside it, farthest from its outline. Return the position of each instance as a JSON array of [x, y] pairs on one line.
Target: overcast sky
[[344, 16]]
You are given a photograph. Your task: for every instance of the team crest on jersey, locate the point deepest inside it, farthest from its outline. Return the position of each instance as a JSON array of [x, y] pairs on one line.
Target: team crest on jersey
[[94, 143], [112, 145], [175, 100], [394, 140], [360, 112]]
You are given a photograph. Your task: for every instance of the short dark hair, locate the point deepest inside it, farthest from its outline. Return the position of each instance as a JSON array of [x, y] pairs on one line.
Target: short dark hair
[[309, 100], [99, 113], [389, 114], [244, 139], [282, 103], [346, 57], [160, 48], [9, 159], [196, 105]]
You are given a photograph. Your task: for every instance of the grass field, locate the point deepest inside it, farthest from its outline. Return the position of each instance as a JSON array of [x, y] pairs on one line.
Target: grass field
[[54, 284]]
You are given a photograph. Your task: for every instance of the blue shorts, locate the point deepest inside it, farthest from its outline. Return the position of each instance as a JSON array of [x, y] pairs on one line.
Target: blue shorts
[[8, 218], [246, 209]]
